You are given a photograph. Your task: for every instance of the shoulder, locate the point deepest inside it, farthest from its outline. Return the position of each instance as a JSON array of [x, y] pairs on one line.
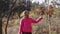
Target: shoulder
[[21, 20]]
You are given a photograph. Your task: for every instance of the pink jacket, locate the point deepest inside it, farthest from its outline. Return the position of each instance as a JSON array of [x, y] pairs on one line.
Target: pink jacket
[[26, 24]]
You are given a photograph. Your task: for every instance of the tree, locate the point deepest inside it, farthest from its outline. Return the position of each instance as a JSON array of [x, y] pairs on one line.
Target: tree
[[0, 16], [10, 10], [28, 5]]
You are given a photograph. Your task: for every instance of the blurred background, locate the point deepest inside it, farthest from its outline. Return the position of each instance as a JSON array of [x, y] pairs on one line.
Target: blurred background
[[11, 11]]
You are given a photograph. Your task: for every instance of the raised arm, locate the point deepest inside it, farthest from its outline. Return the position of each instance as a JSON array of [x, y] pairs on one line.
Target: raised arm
[[36, 21]]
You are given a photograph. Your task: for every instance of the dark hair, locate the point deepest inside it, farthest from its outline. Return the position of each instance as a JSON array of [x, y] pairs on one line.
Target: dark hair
[[26, 11]]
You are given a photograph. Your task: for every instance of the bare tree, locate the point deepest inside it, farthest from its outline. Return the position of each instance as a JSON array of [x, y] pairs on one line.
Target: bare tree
[[0, 16], [11, 10]]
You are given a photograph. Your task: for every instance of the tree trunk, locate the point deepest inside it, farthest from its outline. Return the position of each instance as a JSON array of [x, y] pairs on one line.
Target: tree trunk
[[0, 26], [0, 16], [11, 10]]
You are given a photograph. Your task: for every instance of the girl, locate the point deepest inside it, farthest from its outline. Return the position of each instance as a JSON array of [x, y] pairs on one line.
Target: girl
[[26, 23]]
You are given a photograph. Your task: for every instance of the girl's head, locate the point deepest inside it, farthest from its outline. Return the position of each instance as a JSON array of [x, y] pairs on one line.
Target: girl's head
[[26, 13]]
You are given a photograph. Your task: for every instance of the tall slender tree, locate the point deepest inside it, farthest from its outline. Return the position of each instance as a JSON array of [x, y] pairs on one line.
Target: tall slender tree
[[0, 16], [10, 10]]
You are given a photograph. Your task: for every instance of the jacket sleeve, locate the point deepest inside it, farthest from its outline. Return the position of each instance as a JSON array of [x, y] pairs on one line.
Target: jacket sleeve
[[20, 27], [36, 21]]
